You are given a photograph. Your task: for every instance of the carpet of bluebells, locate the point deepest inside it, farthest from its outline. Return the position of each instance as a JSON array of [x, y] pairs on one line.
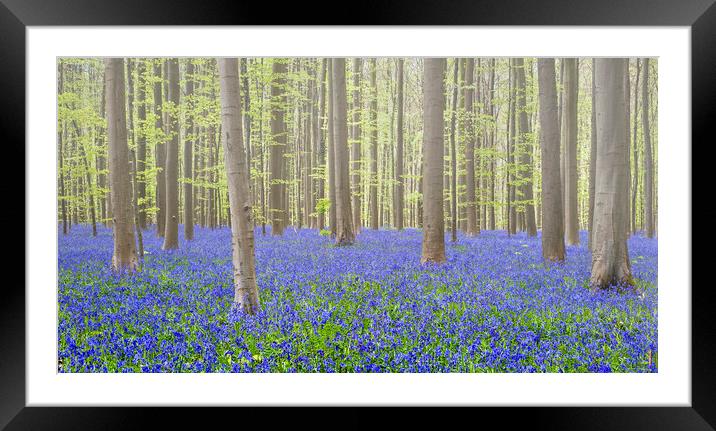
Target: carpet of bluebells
[[372, 307]]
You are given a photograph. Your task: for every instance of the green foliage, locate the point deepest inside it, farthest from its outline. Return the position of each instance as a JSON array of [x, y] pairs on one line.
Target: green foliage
[[322, 205]]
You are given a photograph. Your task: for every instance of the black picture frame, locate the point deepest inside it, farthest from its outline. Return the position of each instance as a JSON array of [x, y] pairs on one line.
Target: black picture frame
[[16, 15]]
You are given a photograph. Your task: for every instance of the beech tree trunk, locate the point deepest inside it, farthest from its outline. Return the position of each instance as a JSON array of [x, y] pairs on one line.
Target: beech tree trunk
[[171, 223], [141, 154], [246, 294], [453, 155], [356, 147], [635, 188], [332, 220], [374, 224], [525, 149], [470, 138], [160, 150], [552, 230], [492, 132], [88, 178], [433, 148], [627, 100], [278, 146], [124, 257], [344, 214], [592, 156], [399, 186], [189, 138], [648, 161], [610, 256], [510, 189], [246, 116], [321, 109], [60, 155], [569, 139]]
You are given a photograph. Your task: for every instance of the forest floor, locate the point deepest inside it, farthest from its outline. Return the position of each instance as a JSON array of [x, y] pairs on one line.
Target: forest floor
[[371, 307]]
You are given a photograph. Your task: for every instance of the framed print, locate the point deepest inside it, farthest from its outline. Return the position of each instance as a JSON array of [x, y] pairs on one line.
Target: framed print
[[411, 205]]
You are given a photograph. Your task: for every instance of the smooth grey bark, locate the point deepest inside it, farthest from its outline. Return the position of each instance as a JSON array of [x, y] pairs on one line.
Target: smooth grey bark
[[592, 156], [525, 150], [124, 257], [345, 235], [433, 249], [160, 149], [373, 191], [278, 146], [456, 132], [453, 155], [135, 206], [189, 138], [510, 192], [356, 146], [318, 125], [552, 229], [635, 188], [648, 160], [627, 100], [60, 155], [492, 145], [610, 255], [569, 143], [399, 186], [88, 178], [309, 202], [470, 137], [141, 154], [246, 294], [171, 223], [332, 219], [246, 115]]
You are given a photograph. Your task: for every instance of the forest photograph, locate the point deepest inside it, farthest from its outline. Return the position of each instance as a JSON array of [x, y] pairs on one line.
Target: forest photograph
[[357, 215]]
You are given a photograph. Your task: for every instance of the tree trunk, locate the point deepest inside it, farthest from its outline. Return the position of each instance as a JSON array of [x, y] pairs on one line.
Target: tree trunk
[[627, 100], [332, 183], [141, 154], [171, 223], [552, 230], [356, 147], [160, 149], [189, 138], [453, 154], [321, 139], [648, 162], [374, 224], [635, 188], [525, 151], [610, 256], [399, 186], [308, 203], [511, 207], [433, 111], [492, 146], [124, 257], [569, 140], [246, 294], [210, 175], [278, 146], [88, 178], [60, 155], [246, 114], [135, 206], [470, 138], [344, 214], [592, 156]]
